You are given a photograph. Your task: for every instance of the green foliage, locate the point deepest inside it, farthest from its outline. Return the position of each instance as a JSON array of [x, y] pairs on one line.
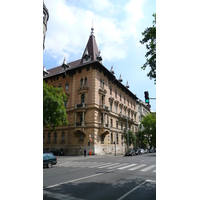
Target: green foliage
[[54, 112], [132, 138], [150, 38], [148, 134]]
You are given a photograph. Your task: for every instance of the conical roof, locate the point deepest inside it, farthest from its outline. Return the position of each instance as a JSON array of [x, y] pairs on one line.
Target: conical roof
[[91, 51]]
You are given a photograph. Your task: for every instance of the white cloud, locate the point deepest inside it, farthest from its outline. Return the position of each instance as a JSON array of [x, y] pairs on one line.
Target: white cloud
[[68, 28]]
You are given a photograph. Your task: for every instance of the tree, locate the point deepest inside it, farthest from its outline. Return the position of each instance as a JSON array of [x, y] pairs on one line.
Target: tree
[[132, 138], [54, 112], [150, 38], [148, 134]]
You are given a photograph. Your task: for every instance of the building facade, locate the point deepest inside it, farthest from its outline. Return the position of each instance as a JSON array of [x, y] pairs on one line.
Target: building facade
[[99, 107], [45, 19]]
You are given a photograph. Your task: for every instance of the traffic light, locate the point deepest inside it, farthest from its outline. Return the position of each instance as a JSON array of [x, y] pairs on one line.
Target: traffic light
[[146, 96]]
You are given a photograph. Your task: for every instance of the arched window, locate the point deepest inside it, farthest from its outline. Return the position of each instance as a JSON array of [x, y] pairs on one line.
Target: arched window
[[83, 98], [81, 81]]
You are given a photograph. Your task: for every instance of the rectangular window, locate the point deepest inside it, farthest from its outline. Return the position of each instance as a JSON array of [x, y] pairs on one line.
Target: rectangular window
[[116, 108], [110, 122], [110, 106], [116, 124], [81, 137], [65, 104], [66, 86], [49, 138], [63, 136], [55, 137]]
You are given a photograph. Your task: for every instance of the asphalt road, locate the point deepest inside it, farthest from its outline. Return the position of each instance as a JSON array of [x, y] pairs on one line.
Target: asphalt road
[[101, 177]]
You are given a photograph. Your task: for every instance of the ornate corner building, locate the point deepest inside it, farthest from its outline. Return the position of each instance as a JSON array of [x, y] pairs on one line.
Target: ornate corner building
[[45, 19], [99, 107]]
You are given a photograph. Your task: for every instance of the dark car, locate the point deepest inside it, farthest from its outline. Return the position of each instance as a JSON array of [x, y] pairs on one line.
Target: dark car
[[49, 159], [130, 153], [58, 152]]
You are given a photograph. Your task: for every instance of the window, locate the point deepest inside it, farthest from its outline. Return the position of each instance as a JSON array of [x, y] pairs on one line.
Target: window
[[85, 80], [103, 83], [120, 96], [81, 82], [131, 104], [115, 93], [125, 112], [117, 138], [122, 139], [128, 102], [65, 104], [81, 137], [111, 122], [101, 118], [110, 106], [102, 139], [111, 138], [59, 86], [44, 15], [66, 86], [128, 114], [121, 110], [63, 136], [116, 108], [121, 126], [49, 138], [100, 83], [82, 98], [116, 124], [55, 137], [110, 90]]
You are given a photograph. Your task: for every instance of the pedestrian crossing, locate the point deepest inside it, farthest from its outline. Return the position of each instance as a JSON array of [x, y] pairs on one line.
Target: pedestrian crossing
[[109, 165]]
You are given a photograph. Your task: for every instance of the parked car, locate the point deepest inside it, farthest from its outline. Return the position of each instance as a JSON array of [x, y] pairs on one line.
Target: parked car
[[152, 150], [130, 153], [49, 159], [142, 151], [137, 152], [58, 152], [146, 150]]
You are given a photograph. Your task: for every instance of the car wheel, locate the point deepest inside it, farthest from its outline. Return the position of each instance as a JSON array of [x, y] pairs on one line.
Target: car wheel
[[49, 165]]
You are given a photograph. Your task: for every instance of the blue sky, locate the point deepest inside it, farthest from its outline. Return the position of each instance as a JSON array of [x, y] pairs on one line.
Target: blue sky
[[117, 28]]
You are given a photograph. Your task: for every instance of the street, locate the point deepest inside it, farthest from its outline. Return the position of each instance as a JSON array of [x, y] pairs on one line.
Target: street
[[101, 177]]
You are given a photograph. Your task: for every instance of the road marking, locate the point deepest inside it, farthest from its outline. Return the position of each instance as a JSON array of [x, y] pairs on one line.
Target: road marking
[[135, 188], [126, 166], [108, 165], [100, 164], [89, 164], [142, 161], [51, 186], [58, 196], [137, 167], [117, 166], [147, 168]]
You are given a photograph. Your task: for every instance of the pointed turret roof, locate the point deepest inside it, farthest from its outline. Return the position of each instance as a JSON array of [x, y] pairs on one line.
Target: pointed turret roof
[[91, 51]]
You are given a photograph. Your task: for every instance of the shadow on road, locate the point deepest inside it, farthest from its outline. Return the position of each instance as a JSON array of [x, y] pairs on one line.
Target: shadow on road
[[106, 191]]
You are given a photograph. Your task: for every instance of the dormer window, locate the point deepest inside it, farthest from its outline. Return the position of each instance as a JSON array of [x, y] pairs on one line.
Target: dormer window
[[44, 16]]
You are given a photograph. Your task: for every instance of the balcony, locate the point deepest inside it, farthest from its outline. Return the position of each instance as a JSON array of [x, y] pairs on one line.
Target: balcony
[[104, 108], [81, 105], [78, 124]]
